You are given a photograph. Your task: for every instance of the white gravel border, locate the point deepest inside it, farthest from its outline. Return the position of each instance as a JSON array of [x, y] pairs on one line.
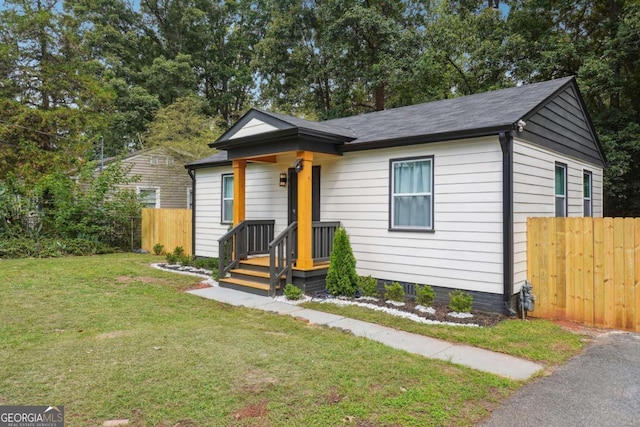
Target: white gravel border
[[185, 270], [460, 315], [394, 312]]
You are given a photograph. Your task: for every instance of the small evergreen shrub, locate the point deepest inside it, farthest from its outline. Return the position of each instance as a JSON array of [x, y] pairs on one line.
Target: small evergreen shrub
[[368, 286], [179, 257], [342, 278], [206, 263], [460, 301], [185, 260], [158, 248], [394, 292], [178, 251], [425, 295], [292, 292]]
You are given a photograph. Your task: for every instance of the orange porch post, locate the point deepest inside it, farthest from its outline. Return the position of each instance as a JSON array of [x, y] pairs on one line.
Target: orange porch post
[[239, 198], [305, 224]]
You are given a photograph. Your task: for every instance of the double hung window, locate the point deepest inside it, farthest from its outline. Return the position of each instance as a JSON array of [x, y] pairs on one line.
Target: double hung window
[[411, 197]]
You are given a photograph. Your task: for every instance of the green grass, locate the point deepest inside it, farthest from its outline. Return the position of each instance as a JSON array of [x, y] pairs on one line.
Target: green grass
[[539, 340], [108, 337]]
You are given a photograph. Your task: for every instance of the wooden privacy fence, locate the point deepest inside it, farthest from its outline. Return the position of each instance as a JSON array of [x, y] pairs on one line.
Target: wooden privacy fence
[[170, 227], [586, 270]]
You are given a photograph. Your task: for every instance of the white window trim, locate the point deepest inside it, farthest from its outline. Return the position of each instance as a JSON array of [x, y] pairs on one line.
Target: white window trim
[[157, 190], [566, 190], [392, 195], [586, 172], [223, 199]]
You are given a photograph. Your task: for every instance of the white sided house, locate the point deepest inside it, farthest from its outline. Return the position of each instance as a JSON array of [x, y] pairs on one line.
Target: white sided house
[[436, 193]]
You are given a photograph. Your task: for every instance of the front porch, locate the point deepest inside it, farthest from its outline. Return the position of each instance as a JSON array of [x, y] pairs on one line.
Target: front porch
[[299, 254], [253, 260]]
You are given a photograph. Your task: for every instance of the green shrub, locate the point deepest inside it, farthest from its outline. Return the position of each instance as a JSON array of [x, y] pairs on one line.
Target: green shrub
[[23, 247], [158, 248], [292, 292], [460, 301], [394, 292], [425, 295], [206, 263], [171, 258], [341, 276], [178, 251], [185, 260], [368, 286]]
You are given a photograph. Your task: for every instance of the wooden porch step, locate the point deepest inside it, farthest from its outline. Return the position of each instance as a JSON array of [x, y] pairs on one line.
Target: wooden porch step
[[246, 272], [252, 275], [262, 261], [245, 285]]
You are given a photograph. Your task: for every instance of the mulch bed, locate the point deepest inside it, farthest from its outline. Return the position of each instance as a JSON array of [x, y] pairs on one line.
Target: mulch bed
[[442, 313]]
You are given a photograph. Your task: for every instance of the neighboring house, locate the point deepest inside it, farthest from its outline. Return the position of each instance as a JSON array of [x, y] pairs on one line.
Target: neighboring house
[[436, 193], [163, 181]]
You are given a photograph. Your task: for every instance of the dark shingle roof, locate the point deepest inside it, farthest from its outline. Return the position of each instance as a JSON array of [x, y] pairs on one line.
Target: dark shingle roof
[[465, 115], [474, 112], [219, 157]]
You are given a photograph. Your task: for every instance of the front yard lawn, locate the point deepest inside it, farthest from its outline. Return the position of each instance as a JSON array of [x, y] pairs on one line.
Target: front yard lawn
[[109, 337]]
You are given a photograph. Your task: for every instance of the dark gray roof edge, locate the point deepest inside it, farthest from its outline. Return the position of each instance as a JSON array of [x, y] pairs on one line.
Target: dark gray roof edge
[[215, 158], [205, 165], [428, 138]]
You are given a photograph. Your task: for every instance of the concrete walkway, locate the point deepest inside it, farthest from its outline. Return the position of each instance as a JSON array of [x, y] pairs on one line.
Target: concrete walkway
[[473, 357]]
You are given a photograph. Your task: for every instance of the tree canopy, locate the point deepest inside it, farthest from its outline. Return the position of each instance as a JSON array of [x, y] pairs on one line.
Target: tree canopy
[[178, 72]]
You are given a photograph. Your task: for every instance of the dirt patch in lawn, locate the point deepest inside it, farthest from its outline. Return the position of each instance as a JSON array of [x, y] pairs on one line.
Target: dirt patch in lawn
[[199, 285], [255, 382], [252, 411], [579, 328], [331, 398]]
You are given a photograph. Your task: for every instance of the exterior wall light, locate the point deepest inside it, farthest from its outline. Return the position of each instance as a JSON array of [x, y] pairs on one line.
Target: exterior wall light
[[283, 180]]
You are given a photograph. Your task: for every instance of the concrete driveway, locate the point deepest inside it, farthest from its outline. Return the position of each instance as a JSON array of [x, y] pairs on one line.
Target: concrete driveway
[[600, 387]]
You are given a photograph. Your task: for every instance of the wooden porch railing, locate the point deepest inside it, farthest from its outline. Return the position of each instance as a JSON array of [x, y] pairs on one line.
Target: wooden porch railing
[[250, 237], [323, 233], [283, 250]]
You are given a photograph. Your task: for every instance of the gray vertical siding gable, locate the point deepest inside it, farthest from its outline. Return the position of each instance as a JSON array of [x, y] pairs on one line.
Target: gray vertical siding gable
[[562, 125]]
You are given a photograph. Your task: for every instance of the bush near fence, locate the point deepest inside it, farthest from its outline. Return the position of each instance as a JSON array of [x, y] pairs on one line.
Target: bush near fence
[[586, 270]]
